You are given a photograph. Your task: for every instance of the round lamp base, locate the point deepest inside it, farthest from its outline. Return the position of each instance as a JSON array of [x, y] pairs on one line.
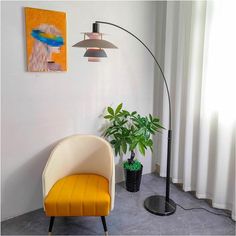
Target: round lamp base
[[159, 206]]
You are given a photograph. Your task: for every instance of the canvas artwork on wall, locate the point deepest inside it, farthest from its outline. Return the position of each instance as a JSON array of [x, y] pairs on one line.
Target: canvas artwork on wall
[[45, 40]]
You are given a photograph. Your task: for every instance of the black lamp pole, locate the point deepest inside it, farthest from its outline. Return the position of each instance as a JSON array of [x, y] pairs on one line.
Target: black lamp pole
[[156, 204]]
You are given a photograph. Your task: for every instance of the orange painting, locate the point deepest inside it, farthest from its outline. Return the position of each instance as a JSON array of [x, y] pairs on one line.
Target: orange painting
[[45, 40]]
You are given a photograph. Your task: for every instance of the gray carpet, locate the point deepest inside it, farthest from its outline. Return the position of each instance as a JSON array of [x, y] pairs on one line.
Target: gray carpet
[[130, 218]]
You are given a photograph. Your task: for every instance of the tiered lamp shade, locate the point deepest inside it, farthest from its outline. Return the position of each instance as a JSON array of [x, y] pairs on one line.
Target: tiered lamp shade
[[94, 46], [94, 43]]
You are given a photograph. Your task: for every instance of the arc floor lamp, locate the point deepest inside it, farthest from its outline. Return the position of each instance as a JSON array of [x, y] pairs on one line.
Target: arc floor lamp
[[95, 44]]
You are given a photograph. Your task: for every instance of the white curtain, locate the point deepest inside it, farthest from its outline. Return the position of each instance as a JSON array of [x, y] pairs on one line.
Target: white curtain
[[199, 64]]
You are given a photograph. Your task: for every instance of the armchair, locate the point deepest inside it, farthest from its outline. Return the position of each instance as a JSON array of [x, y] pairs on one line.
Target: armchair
[[79, 179]]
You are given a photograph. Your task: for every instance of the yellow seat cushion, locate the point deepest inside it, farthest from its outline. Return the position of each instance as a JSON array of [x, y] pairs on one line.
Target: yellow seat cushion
[[79, 195]]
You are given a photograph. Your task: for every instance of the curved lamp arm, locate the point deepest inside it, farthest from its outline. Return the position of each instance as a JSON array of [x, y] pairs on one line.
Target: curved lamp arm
[[168, 94], [157, 204], [167, 89]]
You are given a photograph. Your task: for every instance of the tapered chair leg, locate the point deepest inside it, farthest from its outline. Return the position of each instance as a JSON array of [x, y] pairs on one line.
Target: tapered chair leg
[[51, 225], [104, 224]]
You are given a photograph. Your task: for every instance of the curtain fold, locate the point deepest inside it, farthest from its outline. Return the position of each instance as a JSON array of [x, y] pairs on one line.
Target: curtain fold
[[203, 101]]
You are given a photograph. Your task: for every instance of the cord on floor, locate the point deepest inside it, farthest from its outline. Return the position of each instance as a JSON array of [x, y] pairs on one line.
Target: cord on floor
[[201, 208]]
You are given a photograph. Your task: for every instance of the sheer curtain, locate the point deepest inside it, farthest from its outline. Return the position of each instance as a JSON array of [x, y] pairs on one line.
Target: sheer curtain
[[199, 63]]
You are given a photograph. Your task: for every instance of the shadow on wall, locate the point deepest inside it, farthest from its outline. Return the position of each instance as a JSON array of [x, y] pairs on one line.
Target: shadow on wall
[[18, 189], [119, 171]]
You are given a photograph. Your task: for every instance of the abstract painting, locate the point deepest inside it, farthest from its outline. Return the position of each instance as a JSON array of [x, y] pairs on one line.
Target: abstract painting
[[45, 40]]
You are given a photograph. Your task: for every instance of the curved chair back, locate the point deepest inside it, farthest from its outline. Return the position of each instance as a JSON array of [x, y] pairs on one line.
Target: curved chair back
[[80, 154]]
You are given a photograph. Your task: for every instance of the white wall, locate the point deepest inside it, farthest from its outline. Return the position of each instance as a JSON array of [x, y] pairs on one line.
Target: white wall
[[38, 109]]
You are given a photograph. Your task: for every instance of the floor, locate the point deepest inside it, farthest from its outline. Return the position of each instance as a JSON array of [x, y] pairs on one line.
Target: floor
[[130, 218]]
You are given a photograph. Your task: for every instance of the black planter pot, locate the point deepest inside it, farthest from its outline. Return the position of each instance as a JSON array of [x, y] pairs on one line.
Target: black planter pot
[[133, 179]]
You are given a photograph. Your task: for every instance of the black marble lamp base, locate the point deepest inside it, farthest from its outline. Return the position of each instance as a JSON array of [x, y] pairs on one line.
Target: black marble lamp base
[[159, 206]]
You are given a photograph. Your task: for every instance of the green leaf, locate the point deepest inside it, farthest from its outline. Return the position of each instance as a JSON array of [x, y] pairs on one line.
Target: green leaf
[[117, 148], [128, 140], [150, 117], [159, 126], [113, 142], [107, 132], [118, 108], [151, 149], [112, 132], [139, 132], [152, 132], [124, 147], [141, 149], [118, 136], [116, 151], [133, 113], [110, 110], [150, 143], [108, 117], [132, 146], [125, 112], [156, 120], [153, 128]]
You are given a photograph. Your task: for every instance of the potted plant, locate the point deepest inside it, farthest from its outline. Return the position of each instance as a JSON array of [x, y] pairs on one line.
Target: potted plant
[[128, 131]]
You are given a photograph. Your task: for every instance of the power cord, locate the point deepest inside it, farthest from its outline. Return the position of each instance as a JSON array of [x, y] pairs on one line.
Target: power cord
[[201, 208]]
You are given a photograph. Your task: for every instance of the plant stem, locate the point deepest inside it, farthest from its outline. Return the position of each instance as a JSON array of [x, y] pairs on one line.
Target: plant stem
[[131, 159]]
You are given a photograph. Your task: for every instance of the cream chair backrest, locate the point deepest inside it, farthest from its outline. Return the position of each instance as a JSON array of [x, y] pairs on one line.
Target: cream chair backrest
[[80, 154]]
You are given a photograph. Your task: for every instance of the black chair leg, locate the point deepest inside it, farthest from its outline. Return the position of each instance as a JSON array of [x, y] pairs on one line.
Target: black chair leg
[[51, 225], [104, 224]]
